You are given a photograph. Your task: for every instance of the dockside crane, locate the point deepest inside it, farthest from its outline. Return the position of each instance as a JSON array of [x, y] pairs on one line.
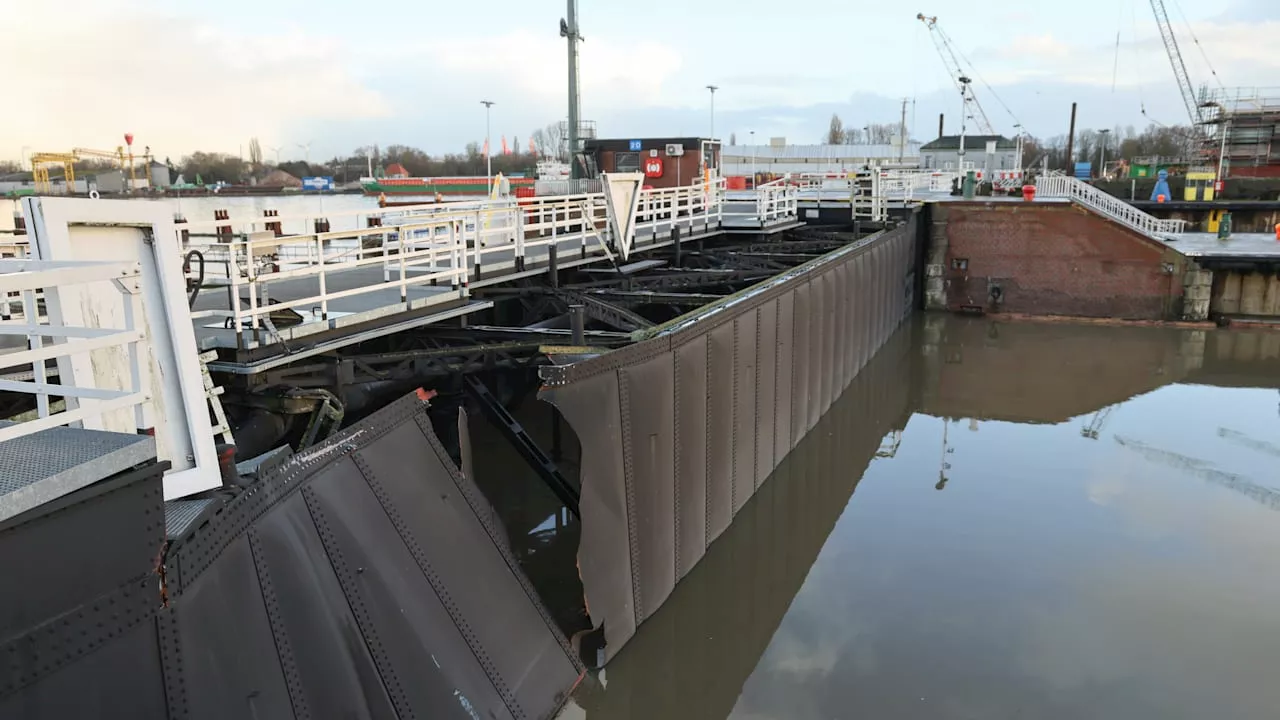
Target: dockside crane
[[948, 55]]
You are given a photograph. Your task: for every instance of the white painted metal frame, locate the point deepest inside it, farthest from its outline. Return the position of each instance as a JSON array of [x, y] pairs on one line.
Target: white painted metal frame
[[25, 277], [143, 232]]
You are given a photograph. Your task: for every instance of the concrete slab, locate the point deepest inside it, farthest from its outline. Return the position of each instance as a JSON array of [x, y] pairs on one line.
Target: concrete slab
[[1239, 245]]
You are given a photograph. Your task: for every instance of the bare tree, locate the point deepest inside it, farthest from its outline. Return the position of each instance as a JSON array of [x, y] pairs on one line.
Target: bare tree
[[835, 131], [851, 136], [882, 133], [255, 153]]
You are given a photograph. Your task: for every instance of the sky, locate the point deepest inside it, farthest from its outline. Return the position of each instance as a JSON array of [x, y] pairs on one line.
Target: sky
[[317, 78]]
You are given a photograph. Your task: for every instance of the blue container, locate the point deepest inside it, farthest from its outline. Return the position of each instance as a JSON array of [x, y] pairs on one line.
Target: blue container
[[1084, 170]]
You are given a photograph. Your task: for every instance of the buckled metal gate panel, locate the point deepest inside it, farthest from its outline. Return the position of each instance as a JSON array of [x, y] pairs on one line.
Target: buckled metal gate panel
[[363, 579], [678, 431]]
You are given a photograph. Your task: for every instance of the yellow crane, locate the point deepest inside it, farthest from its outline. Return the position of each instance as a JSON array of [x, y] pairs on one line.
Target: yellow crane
[[42, 161], [40, 164]]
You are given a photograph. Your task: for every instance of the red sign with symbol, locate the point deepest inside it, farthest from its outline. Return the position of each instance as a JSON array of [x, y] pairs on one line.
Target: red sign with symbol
[[653, 167]]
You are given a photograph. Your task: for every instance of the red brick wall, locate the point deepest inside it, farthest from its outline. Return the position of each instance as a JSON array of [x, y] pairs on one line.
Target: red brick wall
[[1055, 259]]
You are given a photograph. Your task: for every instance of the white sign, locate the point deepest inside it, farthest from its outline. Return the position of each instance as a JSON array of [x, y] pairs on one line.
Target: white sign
[[622, 199]]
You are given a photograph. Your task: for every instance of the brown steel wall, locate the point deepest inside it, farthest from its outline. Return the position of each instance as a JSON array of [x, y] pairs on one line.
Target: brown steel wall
[[679, 430], [692, 659]]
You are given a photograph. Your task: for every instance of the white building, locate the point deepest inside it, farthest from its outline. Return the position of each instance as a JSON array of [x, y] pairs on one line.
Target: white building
[[989, 152], [778, 158]]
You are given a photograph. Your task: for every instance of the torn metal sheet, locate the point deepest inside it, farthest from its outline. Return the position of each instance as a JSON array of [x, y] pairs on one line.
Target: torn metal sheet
[[679, 429]]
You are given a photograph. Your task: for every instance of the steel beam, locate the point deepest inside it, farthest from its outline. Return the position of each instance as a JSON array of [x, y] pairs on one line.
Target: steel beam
[[523, 443]]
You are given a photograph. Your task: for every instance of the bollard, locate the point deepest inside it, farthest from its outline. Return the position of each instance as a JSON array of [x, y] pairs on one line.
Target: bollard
[[276, 227], [1224, 226], [578, 324], [223, 231], [970, 185], [553, 266], [1160, 198], [20, 223], [322, 225], [180, 221], [675, 243]]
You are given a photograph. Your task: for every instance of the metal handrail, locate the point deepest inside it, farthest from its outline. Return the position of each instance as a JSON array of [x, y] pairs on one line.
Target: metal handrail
[[415, 245], [1065, 186], [84, 404]]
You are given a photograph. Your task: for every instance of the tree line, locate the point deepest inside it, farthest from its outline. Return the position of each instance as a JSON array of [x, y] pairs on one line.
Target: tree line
[[214, 167], [1122, 143]]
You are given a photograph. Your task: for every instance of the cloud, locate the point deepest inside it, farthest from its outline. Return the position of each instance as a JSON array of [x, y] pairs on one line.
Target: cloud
[[175, 82], [1023, 46]]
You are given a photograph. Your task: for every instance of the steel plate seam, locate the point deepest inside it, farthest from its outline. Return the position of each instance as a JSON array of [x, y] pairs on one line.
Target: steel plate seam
[[755, 421], [733, 425], [777, 361], [62, 639], [628, 486], [484, 513], [195, 553], [352, 593], [706, 459], [284, 649], [675, 457], [442, 592], [175, 688]]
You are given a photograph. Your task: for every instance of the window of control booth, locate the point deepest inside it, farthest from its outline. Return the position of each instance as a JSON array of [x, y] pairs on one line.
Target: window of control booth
[[626, 162]]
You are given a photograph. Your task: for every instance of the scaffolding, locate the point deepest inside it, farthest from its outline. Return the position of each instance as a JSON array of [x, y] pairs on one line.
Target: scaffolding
[[1245, 125]]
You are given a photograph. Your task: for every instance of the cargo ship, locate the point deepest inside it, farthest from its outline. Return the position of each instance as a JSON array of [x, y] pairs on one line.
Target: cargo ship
[[474, 186]]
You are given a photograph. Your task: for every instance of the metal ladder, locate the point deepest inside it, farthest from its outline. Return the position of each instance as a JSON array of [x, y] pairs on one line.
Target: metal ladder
[[221, 429]]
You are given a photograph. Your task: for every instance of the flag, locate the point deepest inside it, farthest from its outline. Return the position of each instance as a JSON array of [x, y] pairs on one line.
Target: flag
[[486, 147], [532, 150], [505, 150]]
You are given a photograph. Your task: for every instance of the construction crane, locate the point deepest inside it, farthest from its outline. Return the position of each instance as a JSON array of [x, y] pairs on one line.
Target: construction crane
[[1179, 67], [1204, 470], [1097, 423], [948, 55]]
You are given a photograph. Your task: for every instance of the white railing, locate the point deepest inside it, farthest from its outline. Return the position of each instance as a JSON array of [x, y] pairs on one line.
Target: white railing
[[446, 245], [1066, 187], [84, 405]]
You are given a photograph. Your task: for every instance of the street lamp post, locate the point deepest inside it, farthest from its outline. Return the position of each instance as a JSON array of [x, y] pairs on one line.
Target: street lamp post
[[1102, 161], [488, 151], [964, 111], [1018, 153], [713, 89]]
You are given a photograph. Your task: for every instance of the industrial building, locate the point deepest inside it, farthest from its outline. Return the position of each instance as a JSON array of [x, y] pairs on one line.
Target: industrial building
[[779, 158]]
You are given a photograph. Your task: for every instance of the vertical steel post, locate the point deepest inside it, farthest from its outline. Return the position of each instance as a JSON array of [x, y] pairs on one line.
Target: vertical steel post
[[571, 34], [578, 324], [1071, 142]]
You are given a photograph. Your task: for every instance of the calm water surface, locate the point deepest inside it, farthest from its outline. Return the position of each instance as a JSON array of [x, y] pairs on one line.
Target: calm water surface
[[1073, 522]]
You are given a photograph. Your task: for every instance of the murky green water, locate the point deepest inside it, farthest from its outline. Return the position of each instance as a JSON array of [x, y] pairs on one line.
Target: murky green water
[[1073, 522]]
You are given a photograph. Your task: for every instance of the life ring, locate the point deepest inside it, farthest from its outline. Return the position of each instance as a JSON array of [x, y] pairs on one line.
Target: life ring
[[93, 195]]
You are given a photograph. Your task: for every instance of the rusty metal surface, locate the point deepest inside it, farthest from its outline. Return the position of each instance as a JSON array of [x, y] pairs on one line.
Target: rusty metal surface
[[674, 444]]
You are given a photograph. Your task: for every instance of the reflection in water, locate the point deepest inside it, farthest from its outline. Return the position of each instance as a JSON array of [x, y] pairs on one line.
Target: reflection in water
[[1104, 548]]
